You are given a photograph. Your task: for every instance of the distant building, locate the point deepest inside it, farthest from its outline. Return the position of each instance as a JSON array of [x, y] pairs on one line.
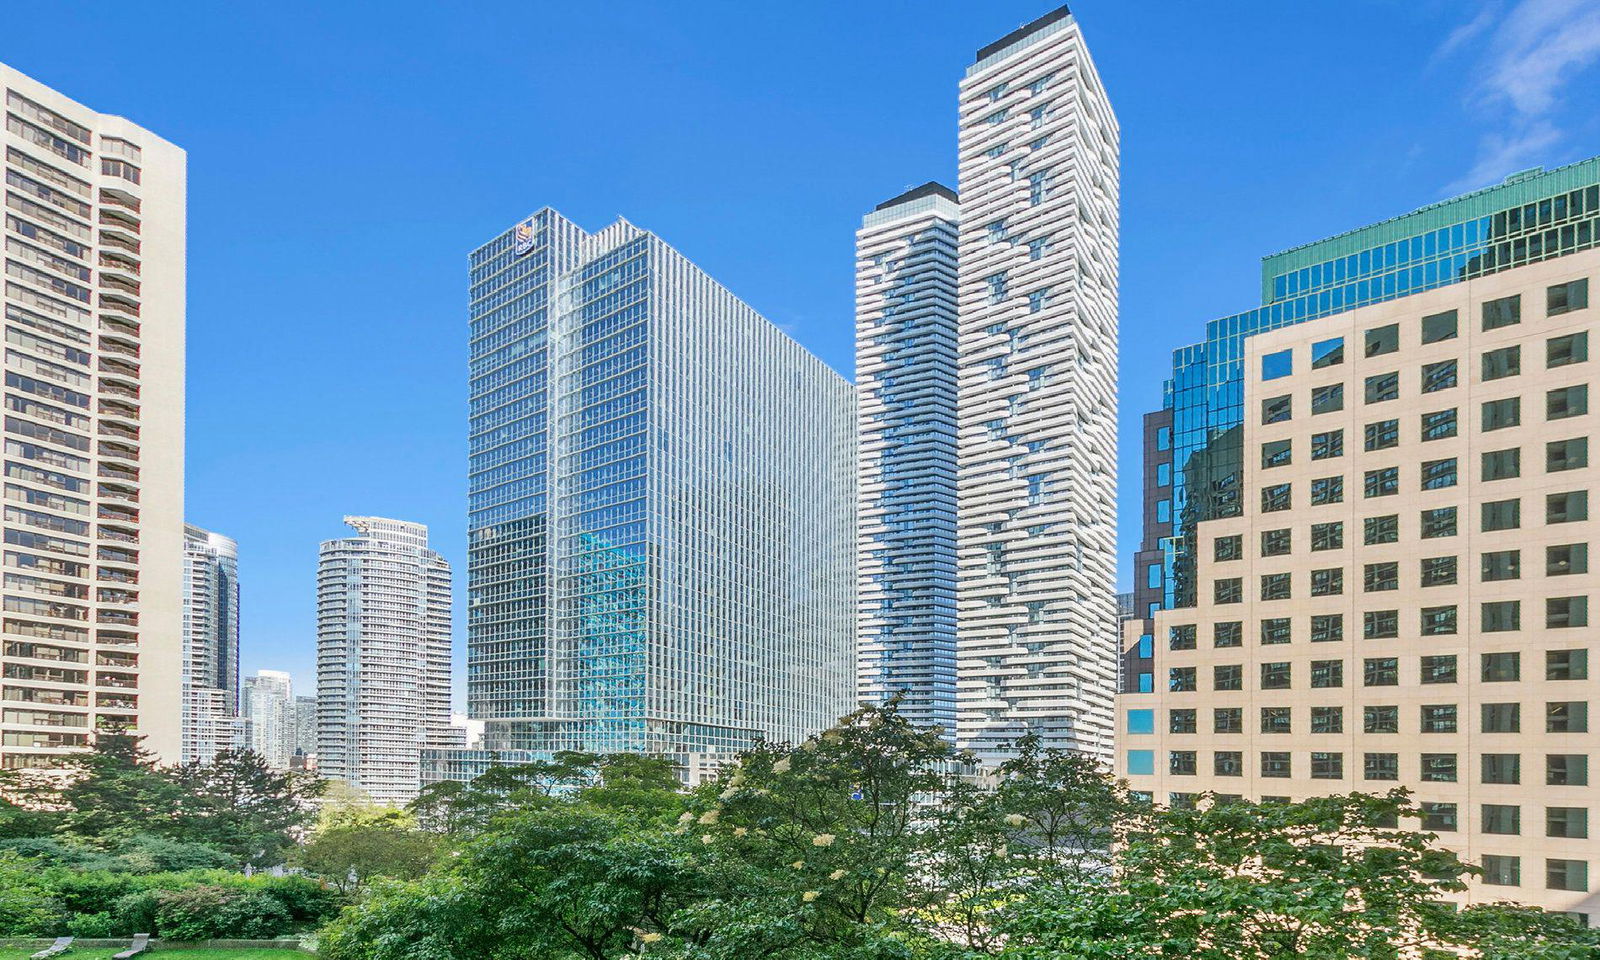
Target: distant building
[[661, 533], [305, 726], [383, 657], [269, 717], [93, 299], [211, 721], [906, 463]]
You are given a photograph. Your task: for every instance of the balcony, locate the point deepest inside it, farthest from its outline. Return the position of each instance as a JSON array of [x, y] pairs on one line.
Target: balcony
[[117, 389], [125, 494], [116, 682], [118, 471], [111, 281], [120, 198], [116, 302], [121, 368], [116, 218], [116, 638], [112, 512], [120, 241], [117, 555], [121, 451], [119, 347], [120, 325], [119, 535], [108, 429], [125, 661]]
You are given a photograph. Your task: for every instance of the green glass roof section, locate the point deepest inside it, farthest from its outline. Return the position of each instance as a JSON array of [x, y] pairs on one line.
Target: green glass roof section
[[1524, 187]]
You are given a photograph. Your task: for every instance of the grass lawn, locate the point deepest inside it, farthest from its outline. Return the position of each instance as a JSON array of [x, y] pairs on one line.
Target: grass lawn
[[104, 953]]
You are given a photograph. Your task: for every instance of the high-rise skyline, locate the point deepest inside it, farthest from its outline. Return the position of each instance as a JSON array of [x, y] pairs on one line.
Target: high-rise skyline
[[1403, 599], [210, 644], [383, 657], [267, 713], [1039, 188], [661, 504], [94, 317], [906, 336]]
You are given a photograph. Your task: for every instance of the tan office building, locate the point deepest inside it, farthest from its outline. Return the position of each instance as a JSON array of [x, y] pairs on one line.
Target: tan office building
[[1405, 600], [94, 366]]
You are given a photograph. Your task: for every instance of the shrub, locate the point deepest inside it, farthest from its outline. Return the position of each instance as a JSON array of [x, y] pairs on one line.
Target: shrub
[[131, 913], [98, 925], [213, 912], [26, 907]]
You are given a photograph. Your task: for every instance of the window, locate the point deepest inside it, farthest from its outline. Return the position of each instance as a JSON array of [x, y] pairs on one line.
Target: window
[[1382, 435], [1567, 769], [1502, 718], [1438, 522], [1505, 362], [1566, 507], [1228, 548], [1275, 498], [1327, 627], [1383, 387], [1227, 676], [1327, 353], [1327, 583], [1327, 399], [1569, 822], [1141, 721], [1438, 621], [1275, 586], [1566, 665], [997, 287], [1439, 376], [1275, 676], [1502, 768], [1501, 616], [1572, 348], [1229, 590], [1181, 762], [1438, 474], [1439, 326], [1380, 766], [1439, 768], [1438, 718], [1502, 515], [1275, 543], [1327, 674], [1563, 612], [1562, 455], [1439, 817], [1274, 763], [1227, 763], [1566, 716], [1502, 464], [1566, 559], [1275, 630], [1181, 637], [1380, 624], [1439, 426], [1275, 720], [1501, 667], [1502, 819], [1227, 633], [1180, 721], [1382, 340], [1378, 577], [1438, 571], [1380, 672], [1375, 530], [1384, 719], [1038, 299], [1502, 313], [1566, 297], [1384, 482], [1275, 366], [1276, 453], [1566, 402], [1181, 679], [1227, 720], [1502, 871], [1277, 409], [1438, 668], [1326, 490], [1326, 446], [1327, 536], [1502, 565], [1499, 414], [1327, 766]]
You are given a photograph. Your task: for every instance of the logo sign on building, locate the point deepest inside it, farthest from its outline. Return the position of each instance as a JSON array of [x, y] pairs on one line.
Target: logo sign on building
[[522, 239]]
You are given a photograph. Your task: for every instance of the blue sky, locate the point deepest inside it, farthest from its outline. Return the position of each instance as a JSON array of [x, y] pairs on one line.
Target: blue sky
[[345, 157]]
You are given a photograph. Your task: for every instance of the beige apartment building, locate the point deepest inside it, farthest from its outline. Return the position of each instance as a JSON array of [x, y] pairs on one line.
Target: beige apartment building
[[93, 393], [1405, 600]]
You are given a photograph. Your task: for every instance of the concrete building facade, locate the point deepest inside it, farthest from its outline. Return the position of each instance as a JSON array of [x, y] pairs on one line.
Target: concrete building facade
[[94, 372]]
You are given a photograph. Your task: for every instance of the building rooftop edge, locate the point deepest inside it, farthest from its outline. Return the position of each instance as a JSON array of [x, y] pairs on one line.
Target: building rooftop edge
[[1021, 33], [932, 188]]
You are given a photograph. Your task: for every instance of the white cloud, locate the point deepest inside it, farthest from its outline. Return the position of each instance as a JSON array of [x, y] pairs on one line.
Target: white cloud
[[1527, 56]]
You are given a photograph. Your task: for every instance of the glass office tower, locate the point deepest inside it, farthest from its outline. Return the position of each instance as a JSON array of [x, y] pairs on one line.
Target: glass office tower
[[210, 644], [906, 385], [1533, 215], [661, 523]]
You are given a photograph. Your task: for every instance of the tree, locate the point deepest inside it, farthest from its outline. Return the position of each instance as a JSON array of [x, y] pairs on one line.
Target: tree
[[1506, 931], [351, 854], [238, 805], [115, 791]]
